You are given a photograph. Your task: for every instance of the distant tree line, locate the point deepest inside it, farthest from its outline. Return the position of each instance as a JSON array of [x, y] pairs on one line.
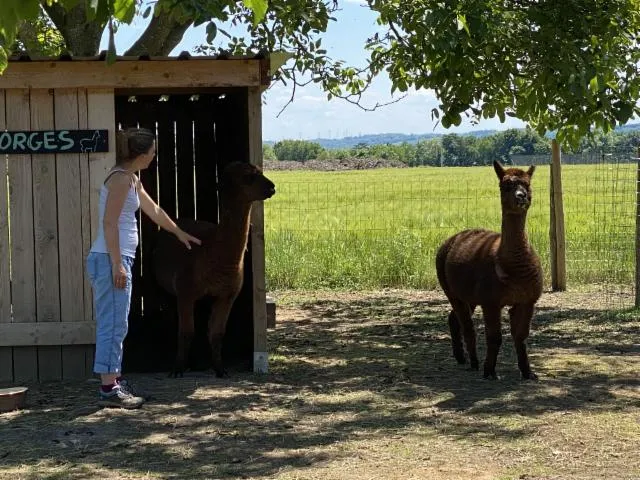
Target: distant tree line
[[451, 149]]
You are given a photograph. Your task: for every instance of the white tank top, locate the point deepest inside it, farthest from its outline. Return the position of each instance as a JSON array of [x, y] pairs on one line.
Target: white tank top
[[127, 223]]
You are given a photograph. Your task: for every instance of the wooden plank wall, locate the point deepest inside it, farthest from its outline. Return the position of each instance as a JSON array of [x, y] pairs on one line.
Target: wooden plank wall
[[51, 207], [49, 217], [23, 294], [6, 353], [45, 220], [72, 172]]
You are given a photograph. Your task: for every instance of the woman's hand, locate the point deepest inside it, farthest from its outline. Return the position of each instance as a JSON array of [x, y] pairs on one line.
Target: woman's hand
[[119, 274], [185, 238]]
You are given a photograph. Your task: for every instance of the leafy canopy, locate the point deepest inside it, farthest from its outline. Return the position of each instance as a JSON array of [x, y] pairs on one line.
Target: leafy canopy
[[13, 12], [564, 65], [569, 66]]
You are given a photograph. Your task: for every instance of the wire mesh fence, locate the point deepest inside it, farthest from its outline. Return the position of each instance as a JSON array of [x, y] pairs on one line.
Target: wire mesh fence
[[382, 228]]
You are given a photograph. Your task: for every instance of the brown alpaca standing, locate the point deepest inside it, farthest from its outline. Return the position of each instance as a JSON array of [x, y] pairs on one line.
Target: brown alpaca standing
[[214, 268], [493, 270]]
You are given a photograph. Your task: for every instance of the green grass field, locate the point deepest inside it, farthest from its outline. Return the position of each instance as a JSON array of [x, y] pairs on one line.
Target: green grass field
[[381, 228]]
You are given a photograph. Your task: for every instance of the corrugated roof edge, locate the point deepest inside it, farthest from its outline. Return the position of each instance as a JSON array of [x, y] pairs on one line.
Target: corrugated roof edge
[[103, 55]]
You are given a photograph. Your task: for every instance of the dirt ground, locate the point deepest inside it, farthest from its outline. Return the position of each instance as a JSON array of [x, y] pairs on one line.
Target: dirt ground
[[361, 386]]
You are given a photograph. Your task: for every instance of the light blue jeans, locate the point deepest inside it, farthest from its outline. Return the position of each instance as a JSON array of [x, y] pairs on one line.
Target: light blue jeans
[[112, 311]]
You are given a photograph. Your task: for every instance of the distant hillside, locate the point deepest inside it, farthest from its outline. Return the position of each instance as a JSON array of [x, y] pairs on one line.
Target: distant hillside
[[394, 138], [383, 139]]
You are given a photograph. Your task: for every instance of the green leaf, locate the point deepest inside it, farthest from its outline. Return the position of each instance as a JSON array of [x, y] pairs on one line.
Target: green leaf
[[4, 59], [212, 31], [278, 59], [124, 10], [462, 23], [259, 9]]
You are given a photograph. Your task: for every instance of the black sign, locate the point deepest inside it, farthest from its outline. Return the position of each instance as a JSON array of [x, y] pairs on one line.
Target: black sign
[[54, 141]]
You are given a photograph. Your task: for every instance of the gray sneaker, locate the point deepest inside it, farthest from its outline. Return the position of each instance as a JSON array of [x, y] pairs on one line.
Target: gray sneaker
[[134, 390], [119, 397]]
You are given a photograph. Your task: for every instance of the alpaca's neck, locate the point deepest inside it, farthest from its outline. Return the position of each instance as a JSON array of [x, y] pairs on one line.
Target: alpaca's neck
[[234, 230], [514, 244]]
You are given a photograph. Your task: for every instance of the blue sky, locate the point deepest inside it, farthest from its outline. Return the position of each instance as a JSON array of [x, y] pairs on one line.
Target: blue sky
[[311, 115]]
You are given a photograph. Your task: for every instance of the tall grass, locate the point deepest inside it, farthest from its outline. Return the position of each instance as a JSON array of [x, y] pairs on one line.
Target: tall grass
[[381, 228]]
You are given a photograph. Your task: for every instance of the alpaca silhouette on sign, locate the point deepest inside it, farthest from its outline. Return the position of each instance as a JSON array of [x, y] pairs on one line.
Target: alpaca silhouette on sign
[[88, 145]]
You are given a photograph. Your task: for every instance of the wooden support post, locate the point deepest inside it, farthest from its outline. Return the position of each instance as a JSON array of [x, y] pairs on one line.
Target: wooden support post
[[556, 230], [637, 302], [260, 355]]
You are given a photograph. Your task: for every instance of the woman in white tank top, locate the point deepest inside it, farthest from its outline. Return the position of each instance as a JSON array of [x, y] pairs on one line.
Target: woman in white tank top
[[112, 255]]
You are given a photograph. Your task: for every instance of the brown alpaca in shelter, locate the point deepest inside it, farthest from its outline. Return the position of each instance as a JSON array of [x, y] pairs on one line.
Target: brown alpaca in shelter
[[214, 268], [493, 270]]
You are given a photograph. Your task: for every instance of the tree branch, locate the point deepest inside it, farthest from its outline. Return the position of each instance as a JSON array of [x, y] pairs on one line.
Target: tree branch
[[160, 37]]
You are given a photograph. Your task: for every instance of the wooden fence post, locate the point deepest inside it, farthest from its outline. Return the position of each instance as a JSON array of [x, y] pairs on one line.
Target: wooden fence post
[[637, 302], [556, 230]]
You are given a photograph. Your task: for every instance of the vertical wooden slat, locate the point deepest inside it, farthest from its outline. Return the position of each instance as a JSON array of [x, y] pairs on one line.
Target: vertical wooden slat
[[25, 359], [184, 156], [100, 114], [206, 160], [6, 353], [556, 231], [260, 355], [148, 229], [85, 205], [128, 115], [45, 217], [85, 189], [166, 160], [232, 142], [71, 248]]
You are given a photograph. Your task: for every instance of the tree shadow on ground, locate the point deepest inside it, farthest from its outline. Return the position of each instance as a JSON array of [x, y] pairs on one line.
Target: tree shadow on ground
[[342, 369]]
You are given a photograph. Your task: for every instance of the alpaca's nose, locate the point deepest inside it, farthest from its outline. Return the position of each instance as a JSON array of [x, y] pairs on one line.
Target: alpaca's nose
[[521, 194]]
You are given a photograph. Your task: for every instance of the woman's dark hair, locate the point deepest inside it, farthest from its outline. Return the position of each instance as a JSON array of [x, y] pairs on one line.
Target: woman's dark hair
[[132, 142]]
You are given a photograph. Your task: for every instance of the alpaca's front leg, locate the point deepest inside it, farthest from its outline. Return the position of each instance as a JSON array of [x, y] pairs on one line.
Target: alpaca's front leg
[[185, 334], [493, 335], [520, 319], [217, 328]]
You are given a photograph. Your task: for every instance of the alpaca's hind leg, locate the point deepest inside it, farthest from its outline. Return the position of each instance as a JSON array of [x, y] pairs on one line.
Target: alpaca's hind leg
[[493, 335], [185, 334], [463, 311], [456, 338], [520, 319], [217, 328]]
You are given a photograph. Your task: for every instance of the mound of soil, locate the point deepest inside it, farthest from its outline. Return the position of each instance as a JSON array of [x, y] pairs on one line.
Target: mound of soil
[[334, 165]]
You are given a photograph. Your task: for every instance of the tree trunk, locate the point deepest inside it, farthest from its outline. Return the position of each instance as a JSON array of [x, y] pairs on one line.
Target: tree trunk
[[82, 37]]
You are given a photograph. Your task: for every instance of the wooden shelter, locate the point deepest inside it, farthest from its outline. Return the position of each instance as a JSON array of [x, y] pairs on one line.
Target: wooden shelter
[[58, 119]]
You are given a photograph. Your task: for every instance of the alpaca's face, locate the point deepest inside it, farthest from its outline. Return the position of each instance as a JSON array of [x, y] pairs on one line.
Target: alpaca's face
[[248, 181], [515, 191], [515, 188]]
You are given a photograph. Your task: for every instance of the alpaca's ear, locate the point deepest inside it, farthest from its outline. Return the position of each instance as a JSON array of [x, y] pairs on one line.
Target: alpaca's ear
[[497, 166], [532, 169]]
